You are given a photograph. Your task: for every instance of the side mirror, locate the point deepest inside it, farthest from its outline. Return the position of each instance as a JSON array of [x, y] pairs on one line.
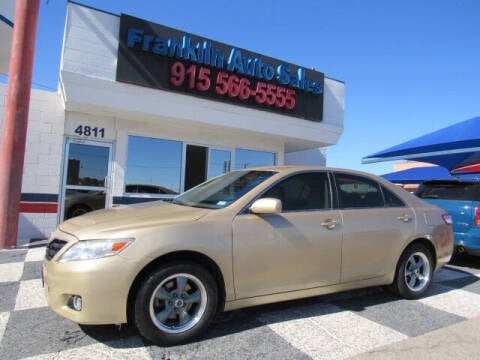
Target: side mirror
[[266, 206]]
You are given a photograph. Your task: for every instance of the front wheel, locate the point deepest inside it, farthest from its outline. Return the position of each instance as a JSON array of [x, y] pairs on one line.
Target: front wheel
[[414, 272], [175, 304]]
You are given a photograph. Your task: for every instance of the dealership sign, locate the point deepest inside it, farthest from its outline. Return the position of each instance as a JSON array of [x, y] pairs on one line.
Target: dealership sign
[[153, 55]]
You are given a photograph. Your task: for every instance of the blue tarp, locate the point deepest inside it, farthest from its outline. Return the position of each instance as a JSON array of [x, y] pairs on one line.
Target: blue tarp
[[419, 174], [450, 147]]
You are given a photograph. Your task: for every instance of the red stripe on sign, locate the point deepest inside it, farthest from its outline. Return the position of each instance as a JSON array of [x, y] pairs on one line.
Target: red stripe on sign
[[38, 207]]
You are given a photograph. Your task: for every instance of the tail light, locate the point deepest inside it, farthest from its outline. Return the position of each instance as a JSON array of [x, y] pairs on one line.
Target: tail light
[[447, 219], [476, 219]]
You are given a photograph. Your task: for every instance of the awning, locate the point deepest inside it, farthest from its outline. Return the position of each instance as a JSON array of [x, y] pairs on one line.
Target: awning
[[418, 175], [469, 169], [451, 147]]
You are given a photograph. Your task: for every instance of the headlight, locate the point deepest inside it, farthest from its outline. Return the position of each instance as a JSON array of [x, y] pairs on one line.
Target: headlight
[[94, 249]]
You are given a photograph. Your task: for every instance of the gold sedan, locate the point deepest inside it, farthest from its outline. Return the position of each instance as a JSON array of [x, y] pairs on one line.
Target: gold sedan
[[246, 238]]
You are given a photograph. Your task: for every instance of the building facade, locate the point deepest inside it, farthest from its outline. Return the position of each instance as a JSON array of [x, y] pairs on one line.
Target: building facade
[[144, 112]]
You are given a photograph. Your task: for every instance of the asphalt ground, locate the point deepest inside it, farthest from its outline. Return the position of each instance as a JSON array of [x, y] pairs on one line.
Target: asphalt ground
[[368, 323]]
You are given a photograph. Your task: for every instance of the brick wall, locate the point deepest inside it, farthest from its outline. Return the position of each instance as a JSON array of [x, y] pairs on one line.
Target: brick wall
[[43, 157]]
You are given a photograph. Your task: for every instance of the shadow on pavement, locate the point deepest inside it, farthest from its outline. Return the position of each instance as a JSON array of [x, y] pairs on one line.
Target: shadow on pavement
[[249, 318], [466, 261]]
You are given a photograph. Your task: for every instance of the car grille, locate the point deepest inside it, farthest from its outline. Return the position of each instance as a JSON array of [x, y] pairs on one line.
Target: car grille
[[53, 248]]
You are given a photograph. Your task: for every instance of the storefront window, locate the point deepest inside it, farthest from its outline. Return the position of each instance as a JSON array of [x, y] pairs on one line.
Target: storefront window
[[218, 162], [251, 158], [154, 166]]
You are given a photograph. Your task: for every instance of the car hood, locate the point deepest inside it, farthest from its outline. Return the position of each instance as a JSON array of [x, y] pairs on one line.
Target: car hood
[[123, 219]]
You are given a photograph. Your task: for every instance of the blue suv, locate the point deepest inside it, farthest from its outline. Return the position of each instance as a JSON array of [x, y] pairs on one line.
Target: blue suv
[[461, 199]]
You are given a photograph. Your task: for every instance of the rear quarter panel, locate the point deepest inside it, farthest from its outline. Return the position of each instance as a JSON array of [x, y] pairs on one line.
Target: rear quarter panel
[[429, 224]]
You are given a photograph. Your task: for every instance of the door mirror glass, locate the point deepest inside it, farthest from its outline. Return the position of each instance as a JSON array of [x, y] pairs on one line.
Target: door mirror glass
[[266, 206]]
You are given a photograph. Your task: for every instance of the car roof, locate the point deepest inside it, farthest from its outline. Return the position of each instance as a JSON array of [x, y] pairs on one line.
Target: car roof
[[297, 168]]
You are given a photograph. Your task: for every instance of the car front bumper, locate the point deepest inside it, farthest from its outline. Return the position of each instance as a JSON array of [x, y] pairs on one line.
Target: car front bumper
[[103, 285]]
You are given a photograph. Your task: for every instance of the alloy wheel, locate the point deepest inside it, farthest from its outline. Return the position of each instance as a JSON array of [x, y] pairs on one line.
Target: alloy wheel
[[178, 303], [417, 271]]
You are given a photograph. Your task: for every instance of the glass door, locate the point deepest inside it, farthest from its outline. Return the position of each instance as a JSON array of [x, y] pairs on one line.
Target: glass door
[[86, 174]]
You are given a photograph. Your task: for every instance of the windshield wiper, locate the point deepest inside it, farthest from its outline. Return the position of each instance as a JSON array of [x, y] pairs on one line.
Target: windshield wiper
[[429, 196]]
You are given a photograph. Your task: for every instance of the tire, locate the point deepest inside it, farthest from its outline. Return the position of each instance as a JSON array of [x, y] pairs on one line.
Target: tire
[[175, 304], [414, 273]]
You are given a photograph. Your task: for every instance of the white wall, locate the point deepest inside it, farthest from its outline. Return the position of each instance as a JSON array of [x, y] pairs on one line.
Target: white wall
[[44, 146], [312, 157], [43, 157], [90, 42], [44, 150]]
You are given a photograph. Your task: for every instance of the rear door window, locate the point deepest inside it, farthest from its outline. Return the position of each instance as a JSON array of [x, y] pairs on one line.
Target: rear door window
[[391, 200], [449, 191], [355, 191]]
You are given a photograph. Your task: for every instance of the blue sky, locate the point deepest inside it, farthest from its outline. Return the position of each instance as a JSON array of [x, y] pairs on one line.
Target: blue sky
[[410, 67]]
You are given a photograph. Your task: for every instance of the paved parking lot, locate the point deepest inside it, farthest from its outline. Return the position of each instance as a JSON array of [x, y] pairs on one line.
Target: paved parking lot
[[327, 327]]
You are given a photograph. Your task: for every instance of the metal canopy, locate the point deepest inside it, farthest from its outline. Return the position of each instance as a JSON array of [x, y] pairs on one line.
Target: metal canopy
[[418, 175], [451, 147]]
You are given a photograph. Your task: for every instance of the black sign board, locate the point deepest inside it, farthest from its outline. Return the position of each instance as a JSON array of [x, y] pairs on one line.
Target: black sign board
[[157, 56]]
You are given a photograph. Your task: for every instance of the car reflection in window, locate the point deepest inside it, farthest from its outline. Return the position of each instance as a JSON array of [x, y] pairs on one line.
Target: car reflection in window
[[79, 202], [148, 189]]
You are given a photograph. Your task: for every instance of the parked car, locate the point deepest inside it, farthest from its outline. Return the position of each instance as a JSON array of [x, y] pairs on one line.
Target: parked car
[[245, 238], [461, 199]]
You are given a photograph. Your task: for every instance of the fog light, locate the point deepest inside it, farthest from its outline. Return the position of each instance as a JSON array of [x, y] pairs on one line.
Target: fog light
[[75, 302]]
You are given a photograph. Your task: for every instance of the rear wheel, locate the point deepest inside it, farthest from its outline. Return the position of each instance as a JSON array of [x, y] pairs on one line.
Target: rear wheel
[[414, 272], [175, 304]]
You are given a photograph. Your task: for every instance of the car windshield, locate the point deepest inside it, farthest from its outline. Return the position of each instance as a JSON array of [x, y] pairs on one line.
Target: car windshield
[[223, 190]]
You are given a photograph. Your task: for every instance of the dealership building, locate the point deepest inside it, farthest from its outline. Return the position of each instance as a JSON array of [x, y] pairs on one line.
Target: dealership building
[[144, 112]]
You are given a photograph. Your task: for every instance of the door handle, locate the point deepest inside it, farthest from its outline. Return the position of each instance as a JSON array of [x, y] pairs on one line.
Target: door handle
[[405, 218], [330, 224]]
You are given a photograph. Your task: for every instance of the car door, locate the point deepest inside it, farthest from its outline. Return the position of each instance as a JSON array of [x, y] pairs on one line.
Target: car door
[[376, 224], [298, 248]]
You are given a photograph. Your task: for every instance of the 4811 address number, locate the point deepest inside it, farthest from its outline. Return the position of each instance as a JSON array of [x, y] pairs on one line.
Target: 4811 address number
[[85, 130]]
